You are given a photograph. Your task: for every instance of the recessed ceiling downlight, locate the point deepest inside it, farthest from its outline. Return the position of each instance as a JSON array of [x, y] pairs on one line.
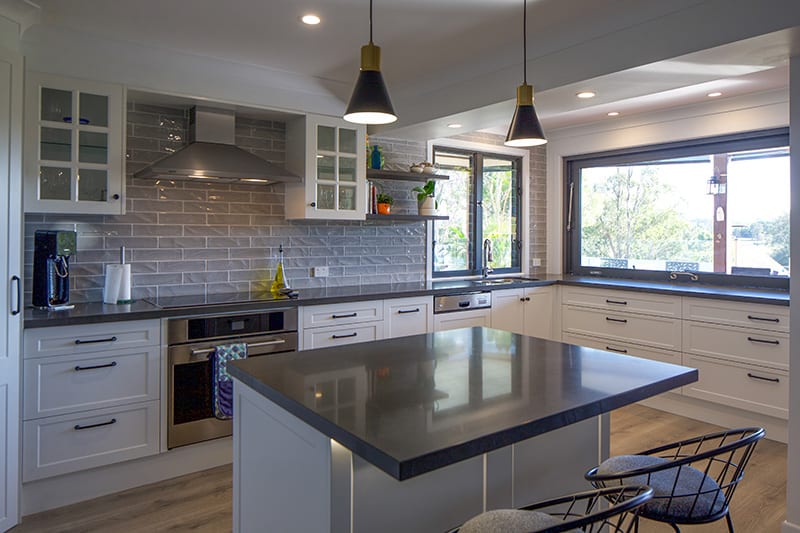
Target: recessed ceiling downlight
[[586, 94], [613, 113], [454, 125], [714, 94], [311, 19]]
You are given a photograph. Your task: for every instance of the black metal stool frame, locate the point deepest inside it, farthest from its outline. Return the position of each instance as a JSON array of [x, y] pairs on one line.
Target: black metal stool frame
[[724, 455]]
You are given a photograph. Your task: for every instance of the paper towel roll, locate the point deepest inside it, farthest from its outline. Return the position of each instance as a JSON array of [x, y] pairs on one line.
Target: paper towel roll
[[124, 295], [113, 282]]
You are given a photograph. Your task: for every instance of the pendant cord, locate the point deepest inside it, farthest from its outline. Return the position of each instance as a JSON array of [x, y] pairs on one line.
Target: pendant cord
[[370, 21], [524, 40]]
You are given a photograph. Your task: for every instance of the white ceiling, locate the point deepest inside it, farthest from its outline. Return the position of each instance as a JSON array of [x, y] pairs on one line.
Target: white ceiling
[[460, 60]]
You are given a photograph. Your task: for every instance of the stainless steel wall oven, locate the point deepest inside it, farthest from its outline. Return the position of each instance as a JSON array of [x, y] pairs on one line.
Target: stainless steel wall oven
[[192, 341]]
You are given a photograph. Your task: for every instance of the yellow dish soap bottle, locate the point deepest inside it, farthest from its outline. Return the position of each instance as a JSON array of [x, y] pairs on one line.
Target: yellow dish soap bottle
[[280, 284]]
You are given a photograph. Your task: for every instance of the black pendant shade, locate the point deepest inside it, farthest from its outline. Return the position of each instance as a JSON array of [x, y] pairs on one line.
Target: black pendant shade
[[525, 129], [370, 102]]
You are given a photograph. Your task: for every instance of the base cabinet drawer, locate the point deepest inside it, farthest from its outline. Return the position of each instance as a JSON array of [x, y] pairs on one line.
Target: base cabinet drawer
[[62, 444], [342, 313], [750, 315], [743, 386], [339, 336], [65, 340], [463, 319], [68, 383], [628, 301], [664, 356], [658, 332], [767, 348]]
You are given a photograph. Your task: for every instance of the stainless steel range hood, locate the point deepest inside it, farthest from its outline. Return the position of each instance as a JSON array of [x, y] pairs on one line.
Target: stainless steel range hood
[[211, 155]]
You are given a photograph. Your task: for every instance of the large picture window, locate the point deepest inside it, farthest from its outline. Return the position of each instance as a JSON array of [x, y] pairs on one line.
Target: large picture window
[[708, 210], [482, 199]]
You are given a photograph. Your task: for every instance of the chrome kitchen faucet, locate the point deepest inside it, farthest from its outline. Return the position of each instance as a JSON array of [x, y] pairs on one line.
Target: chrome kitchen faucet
[[487, 258]]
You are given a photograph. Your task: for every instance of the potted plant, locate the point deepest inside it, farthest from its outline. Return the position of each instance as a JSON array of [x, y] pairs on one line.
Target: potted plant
[[426, 202], [384, 203]]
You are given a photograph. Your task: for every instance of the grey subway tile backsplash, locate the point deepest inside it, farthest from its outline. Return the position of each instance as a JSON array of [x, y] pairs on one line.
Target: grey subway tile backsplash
[[191, 237]]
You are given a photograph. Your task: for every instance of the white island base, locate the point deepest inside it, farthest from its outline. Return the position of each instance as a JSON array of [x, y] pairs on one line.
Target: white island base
[[289, 477]]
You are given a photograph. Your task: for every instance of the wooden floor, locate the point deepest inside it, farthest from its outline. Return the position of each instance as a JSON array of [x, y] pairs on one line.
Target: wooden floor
[[202, 502]]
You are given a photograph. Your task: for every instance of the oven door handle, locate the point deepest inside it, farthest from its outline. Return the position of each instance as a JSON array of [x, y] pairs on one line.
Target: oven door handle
[[207, 351]]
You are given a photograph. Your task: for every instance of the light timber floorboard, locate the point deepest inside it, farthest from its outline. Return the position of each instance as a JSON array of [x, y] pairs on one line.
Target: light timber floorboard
[[201, 502]]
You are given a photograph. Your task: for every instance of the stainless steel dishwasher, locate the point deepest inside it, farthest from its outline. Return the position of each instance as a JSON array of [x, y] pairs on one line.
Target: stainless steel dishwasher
[[464, 310]]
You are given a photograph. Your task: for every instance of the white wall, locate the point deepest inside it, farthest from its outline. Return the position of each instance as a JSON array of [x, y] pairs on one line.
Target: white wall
[[792, 523], [718, 117]]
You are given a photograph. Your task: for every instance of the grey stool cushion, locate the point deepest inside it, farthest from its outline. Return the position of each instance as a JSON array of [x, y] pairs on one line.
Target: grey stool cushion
[[509, 521], [684, 504]]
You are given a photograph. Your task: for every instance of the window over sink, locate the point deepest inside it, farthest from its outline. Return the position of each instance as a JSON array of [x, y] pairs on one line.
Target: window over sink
[[713, 210], [483, 199]]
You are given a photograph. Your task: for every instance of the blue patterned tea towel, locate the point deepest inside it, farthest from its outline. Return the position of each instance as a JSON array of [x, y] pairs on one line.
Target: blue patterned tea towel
[[222, 390]]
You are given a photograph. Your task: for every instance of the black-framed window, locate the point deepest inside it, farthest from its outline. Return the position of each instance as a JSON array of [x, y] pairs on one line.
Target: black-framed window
[[483, 201], [711, 210]]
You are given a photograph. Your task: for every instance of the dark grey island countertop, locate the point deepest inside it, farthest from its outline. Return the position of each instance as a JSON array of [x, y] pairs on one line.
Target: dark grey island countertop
[[415, 404]]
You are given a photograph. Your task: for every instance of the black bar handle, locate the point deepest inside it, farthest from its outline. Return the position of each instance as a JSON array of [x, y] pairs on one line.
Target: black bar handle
[[763, 341], [618, 350], [78, 368], [350, 315], [110, 339], [406, 311], [344, 336], [762, 378], [620, 320], [79, 427], [15, 305], [618, 302], [762, 319]]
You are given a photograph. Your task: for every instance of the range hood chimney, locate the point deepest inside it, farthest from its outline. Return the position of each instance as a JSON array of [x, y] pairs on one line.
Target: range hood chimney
[[211, 155]]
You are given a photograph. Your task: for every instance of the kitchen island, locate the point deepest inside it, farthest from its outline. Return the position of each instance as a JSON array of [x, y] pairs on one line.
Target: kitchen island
[[420, 433]]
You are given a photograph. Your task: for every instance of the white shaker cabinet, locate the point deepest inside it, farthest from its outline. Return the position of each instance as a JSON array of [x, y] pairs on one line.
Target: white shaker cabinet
[[74, 146], [90, 396], [339, 324], [527, 311], [330, 155], [408, 316]]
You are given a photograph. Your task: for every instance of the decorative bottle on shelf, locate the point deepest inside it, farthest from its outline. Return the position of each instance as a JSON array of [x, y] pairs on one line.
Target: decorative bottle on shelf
[[280, 284], [376, 158]]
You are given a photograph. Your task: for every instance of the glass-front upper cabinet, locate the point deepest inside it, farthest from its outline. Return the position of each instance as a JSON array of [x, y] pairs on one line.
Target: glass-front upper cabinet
[[74, 155], [330, 154]]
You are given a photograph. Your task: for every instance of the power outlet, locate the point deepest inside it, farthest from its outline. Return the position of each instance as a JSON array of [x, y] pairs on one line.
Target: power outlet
[[536, 262], [319, 272]]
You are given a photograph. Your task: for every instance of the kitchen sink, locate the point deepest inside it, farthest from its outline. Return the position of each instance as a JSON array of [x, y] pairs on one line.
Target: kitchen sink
[[502, 281]]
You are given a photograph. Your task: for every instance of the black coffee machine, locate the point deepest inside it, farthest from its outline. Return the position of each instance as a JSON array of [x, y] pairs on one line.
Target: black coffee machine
[[51, 253]]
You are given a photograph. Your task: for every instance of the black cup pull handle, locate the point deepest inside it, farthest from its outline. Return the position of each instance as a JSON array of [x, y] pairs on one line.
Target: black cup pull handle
[[406, 311], [78, 368], [79, 427], [344, 336], [762, 378], [618, 350], [16, 294], [763, 319], [763, 341], [349, 315], [620, 320], [95, 341]]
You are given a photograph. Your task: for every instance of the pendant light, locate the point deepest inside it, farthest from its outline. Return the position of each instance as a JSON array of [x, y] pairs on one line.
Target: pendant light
[[370, 103], [525, 129]]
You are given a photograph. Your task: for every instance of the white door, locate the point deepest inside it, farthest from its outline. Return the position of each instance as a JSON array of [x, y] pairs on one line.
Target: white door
[[508, 310], [10, 290]]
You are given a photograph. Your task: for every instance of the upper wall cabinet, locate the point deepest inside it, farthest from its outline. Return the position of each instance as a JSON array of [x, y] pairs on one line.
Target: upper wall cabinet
[[74, 146], [330, 154]]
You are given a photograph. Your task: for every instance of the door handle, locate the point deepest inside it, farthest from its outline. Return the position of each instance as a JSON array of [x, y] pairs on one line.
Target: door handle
[[78, 368], [763, 341], [618, 350], [110, 339], [348, 315], [751, 317], [762, 378], [16, 306], [344, 336], [79, 427], [406, 311], [620, 320]]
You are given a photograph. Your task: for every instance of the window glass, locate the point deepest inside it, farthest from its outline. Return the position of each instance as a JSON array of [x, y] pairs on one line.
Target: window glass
[[482, 201], [724, 212]]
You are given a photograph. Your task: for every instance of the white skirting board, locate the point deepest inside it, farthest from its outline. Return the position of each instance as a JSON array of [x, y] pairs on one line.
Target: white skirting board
[[72, 488], [788, 527], [718, 414]]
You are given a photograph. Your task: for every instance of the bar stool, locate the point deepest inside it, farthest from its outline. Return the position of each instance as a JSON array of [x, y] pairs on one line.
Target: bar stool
[[693, 480], [579, 512]]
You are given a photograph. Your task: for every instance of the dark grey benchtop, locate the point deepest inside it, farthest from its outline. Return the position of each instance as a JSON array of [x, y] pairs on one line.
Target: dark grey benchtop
[[230, 303], [415, 404]]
